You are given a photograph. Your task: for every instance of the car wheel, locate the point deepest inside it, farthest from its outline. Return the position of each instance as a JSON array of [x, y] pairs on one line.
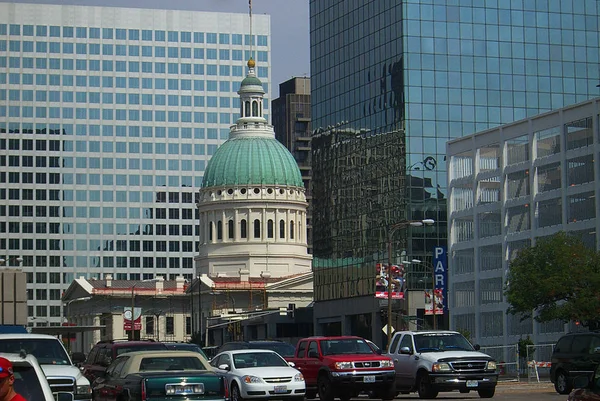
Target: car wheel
[[486, 392], [424, 387], [325, 390], [236, 394], [561, 383]]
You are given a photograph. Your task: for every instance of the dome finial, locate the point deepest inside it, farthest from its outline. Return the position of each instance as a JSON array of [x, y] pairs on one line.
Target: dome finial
[[251, 63]]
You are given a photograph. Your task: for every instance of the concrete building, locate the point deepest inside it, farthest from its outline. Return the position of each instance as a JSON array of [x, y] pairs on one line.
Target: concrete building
[[252, 209], [108, 117], [435, 71], [508, 186], [291, 121]]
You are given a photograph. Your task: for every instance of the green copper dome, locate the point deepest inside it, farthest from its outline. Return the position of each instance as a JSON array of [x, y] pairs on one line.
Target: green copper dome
[[251, 81], [252, 160]]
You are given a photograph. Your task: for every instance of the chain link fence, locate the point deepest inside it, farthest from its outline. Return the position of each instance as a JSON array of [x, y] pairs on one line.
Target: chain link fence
[[507, 359], [539, 357]]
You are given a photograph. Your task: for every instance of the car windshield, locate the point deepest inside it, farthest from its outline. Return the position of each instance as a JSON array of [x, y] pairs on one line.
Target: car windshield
[[140, 347], [257, 360], [47, 351], [27, 382], [164, 363], [437, 342], [282, 349], [346, 346]]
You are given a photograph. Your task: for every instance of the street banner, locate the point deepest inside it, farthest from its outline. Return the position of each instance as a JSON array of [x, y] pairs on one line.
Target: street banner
[[381, 281], [434, 304], [440, 268], [137, 318]]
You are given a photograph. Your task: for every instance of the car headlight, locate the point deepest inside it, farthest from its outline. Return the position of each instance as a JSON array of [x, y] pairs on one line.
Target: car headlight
[[343, 365], [83, 389], [491, 365], [386, 364], [441, 367], [299, 377], [252, 379]]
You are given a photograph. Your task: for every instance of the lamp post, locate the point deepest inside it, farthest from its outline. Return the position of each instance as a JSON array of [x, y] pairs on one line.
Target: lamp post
[[68, 318], [200, 307], [5, 261], [133, 304], [391, 230], [430, 267]]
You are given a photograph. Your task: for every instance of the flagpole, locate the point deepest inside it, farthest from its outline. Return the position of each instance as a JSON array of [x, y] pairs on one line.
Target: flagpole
[[251, 38]]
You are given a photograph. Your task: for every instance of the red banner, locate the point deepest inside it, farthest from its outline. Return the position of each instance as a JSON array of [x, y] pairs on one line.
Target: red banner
[[397, 281], [137, 319]]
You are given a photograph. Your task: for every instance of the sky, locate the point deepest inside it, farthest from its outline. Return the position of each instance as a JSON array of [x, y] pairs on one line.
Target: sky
[[290, 55]]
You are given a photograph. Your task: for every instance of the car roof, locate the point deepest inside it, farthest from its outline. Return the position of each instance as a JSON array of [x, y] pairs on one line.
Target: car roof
[[253, 350], [165, 353], [27, 336], [129, 343], [333, 338], [17, 358]]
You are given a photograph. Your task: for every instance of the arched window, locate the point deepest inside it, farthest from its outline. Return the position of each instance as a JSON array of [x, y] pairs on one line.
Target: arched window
[[244, 229], [260, 109], [210, 231], [247, 111], [219, 229], [292, 229], [282, 228], [257, 228], [254, 108], [230, 233], [270, 227]]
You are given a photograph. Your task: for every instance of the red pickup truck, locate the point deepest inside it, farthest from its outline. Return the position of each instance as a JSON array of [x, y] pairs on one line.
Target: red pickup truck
[[342, 367]]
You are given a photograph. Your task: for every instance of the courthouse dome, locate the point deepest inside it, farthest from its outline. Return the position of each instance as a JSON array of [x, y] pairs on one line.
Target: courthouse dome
[[252, 155], [250, 160]]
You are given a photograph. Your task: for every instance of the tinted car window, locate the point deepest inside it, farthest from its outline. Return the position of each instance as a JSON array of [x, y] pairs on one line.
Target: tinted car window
[[582, 345], [282, 349], [139, 347], [186, 347], [564, 344], [27, 383]]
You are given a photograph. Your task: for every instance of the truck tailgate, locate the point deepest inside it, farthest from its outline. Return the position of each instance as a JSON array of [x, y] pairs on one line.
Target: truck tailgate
[[188, 385]]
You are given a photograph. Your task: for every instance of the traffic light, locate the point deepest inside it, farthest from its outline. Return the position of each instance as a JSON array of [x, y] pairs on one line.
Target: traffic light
[[291, 310]]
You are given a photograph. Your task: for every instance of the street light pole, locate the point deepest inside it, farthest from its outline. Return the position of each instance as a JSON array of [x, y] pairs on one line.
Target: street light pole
[[392, 229]]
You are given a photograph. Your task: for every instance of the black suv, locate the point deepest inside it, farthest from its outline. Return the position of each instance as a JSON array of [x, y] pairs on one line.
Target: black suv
[[575, 354], [104, 352], [282, 348]]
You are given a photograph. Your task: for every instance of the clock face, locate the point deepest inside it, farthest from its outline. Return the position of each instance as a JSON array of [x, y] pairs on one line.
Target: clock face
[[127, 314]]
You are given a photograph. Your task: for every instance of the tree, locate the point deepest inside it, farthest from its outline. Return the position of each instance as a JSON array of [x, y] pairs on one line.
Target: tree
[[558, 278]]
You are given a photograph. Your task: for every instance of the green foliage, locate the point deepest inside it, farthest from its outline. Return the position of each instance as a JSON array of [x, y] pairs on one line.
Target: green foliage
[[558, 278], [522, 346]]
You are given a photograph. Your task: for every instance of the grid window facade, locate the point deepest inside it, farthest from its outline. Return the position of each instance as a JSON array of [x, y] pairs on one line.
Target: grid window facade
[[86, 108]]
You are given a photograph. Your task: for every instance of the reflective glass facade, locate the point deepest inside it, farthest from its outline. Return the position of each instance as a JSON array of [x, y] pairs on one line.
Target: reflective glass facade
[[107, 119], [441, 70]]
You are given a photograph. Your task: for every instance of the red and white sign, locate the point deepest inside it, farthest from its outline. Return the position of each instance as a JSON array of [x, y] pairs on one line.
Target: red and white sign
[[137, 319], [434, 305], [381, 281]]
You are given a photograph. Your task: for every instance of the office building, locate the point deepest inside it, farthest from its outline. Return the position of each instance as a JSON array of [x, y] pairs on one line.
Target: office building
[[108, 117], [291, 120], [436, 70], [508, 186]]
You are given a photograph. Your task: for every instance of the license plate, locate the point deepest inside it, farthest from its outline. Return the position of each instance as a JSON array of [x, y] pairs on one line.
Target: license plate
[[280, 389], [369, 379], [472, 383], [184, 389]]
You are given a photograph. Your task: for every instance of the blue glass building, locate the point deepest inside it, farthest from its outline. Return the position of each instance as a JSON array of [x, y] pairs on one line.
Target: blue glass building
[[107, 119], [438, 70]]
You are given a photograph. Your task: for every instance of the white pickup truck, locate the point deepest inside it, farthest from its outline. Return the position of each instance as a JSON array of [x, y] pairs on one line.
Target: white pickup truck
[[433, 361], [62, 375]]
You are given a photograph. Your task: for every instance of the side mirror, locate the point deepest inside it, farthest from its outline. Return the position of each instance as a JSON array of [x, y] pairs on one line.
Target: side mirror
[[78, 357], [224, 366], [378, 351], [405, 350], [581, 382], [292, 364], [313, 354], [477, 347], [64, 396]]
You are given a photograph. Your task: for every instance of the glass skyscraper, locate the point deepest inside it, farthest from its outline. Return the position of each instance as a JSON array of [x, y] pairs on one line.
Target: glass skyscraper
[[107, 119], [440, 70]]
